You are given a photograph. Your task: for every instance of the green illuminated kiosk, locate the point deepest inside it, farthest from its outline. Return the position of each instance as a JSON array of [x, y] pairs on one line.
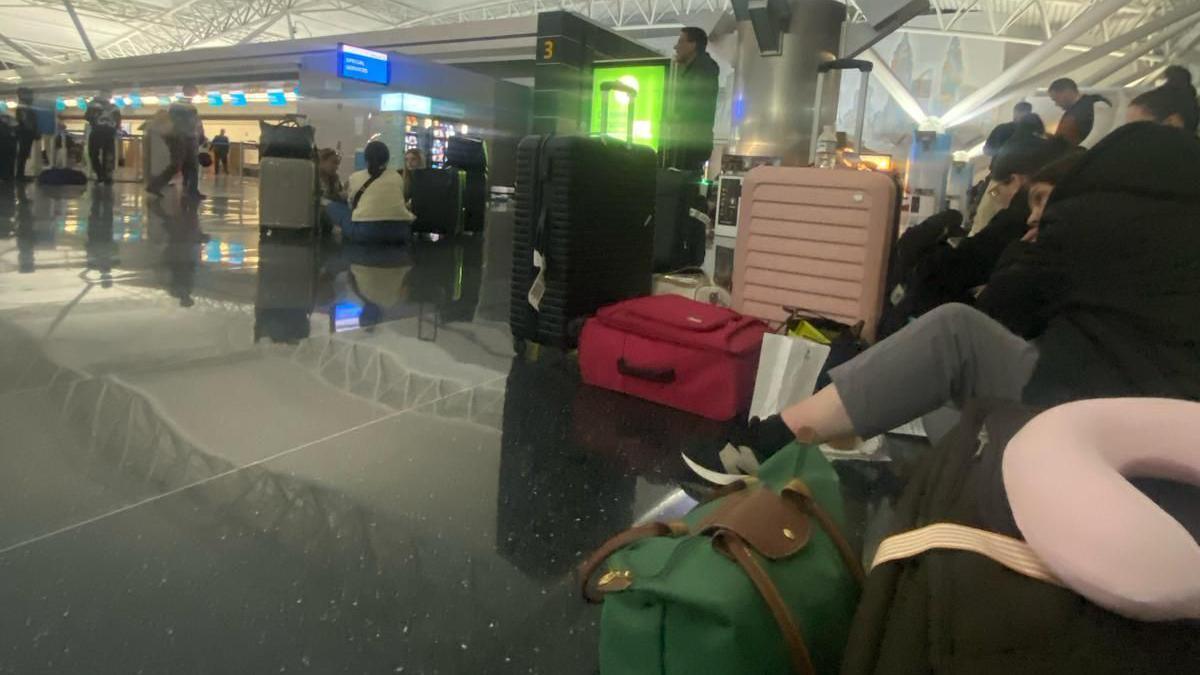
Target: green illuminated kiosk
[[651, 79]]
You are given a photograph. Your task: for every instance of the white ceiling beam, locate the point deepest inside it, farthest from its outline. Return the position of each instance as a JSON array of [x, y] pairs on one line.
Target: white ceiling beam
[[1120, 64], [1085, 22], [83, 36], [894, 87], [22, 50]]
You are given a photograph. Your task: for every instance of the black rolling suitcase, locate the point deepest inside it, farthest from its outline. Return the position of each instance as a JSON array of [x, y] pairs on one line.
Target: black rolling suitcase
[[470, 155], [680, 220], [437, 201], [583, 236]]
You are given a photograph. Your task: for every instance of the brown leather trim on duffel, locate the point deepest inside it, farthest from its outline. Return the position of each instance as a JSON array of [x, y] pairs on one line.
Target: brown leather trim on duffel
[[588, 567], [798, 493], [797, 651]]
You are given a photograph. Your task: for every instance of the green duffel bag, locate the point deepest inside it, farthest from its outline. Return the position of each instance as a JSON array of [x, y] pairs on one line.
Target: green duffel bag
[[757, 579]]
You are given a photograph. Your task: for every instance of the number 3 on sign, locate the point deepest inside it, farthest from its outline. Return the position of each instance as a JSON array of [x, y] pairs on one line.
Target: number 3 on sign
[[547, 50]]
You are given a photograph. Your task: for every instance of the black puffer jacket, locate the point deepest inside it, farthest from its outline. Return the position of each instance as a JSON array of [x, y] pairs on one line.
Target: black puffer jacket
[[1111, 291]]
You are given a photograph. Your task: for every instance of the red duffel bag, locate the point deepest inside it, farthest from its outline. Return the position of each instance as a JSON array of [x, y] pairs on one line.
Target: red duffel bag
[[671, 350]]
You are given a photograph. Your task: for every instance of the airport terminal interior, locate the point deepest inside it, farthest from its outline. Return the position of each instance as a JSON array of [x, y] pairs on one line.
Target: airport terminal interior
[[607, 337]]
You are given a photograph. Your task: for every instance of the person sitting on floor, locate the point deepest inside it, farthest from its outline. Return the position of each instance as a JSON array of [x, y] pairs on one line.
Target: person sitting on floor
[[1106, 303], [945, 273], [378, 212], [336, 202]]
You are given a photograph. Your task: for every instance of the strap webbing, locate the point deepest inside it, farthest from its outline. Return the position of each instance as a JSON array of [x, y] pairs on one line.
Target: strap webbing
[[1014, 554]]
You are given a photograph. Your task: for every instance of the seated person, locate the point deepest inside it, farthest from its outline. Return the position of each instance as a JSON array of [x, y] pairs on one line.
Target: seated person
[[336, 203], [378, 212], [413, 161], [1024, 127], [1173, 106], [950, 274], [1106, 303]]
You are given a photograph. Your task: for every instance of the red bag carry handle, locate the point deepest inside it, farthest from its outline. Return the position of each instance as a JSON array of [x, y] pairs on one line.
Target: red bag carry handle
[[660, 375]]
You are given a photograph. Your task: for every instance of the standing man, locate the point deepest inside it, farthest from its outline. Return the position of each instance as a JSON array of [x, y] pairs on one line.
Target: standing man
[[183, 139], [1004, 131], [104, 118], [220, 150], [695, 105], [27, 130], [1079, 114]]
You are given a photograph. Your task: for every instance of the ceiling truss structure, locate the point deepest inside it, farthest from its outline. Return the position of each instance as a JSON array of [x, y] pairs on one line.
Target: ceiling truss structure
[[191, 23]]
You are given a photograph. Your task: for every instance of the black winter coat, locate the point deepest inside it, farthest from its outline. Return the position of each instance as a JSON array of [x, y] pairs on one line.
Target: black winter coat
[[960, 613], [696, 88], [1111, 290]]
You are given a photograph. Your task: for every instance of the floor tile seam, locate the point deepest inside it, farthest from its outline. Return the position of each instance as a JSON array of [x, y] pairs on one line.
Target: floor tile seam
[[224, 474]]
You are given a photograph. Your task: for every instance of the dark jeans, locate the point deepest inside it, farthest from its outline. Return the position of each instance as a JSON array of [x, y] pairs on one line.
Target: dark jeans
[[25, 143], [377, 232], [183, 159], [220, 157], [101, 151]]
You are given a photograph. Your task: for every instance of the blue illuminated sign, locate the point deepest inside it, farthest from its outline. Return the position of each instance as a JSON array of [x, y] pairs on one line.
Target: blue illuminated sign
[[237, 98], [356, 63], [81, 103], [60, 104], [135, 100], [214, 99], [276, 97]]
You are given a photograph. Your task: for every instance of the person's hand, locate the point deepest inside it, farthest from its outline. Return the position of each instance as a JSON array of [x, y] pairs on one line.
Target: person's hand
[[1030, 235]]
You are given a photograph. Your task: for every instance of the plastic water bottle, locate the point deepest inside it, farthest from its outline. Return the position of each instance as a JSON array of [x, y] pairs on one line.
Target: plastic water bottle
[[827, 148]]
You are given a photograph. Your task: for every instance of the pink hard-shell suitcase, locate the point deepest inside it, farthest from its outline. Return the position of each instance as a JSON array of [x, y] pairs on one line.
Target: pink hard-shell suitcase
[[814, 239]]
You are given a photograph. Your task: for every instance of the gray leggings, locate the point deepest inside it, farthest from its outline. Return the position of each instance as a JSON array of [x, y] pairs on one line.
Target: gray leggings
[[948, 356]]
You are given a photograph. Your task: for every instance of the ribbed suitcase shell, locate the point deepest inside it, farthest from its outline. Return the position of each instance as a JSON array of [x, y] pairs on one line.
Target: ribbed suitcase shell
[[599, 238], [287, 193], [815, 239]]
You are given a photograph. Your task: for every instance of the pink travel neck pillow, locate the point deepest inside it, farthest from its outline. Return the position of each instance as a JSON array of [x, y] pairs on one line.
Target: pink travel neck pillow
[[1065, 474]]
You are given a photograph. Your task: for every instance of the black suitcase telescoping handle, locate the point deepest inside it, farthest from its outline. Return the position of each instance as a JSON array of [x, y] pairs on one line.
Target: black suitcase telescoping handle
[[860, 65], [606, 91]]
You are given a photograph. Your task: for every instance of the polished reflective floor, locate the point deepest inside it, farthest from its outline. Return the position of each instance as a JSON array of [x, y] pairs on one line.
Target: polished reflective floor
[[228, 453]]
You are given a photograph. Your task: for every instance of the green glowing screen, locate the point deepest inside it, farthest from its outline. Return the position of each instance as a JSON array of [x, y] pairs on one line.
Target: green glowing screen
[[650, 81]]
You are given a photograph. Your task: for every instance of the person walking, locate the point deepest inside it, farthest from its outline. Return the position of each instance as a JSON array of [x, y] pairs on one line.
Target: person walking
[[220, 151], [695, 106], [183, 138], [103, 120], [27, 130]]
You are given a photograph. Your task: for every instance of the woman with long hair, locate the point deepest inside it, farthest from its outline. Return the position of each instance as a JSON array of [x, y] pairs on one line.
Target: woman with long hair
[[378, 212]]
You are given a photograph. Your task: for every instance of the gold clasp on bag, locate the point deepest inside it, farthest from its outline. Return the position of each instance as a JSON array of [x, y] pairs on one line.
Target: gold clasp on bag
[[614, 580]]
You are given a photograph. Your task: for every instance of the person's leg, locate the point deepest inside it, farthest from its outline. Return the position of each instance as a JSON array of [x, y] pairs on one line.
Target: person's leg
[[952, 354], [160, 181], [338, 213], [223, 160], [24, 151], [94, 145], [190, 166], [108, 154]]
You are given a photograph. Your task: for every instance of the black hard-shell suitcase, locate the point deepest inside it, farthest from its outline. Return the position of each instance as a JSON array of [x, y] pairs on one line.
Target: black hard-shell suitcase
[[679, 220], [470, 155], [585, 205], [466, 153], [437, 201]]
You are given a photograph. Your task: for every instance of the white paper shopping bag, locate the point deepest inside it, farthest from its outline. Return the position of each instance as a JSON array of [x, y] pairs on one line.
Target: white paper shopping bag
[[787, 373]]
